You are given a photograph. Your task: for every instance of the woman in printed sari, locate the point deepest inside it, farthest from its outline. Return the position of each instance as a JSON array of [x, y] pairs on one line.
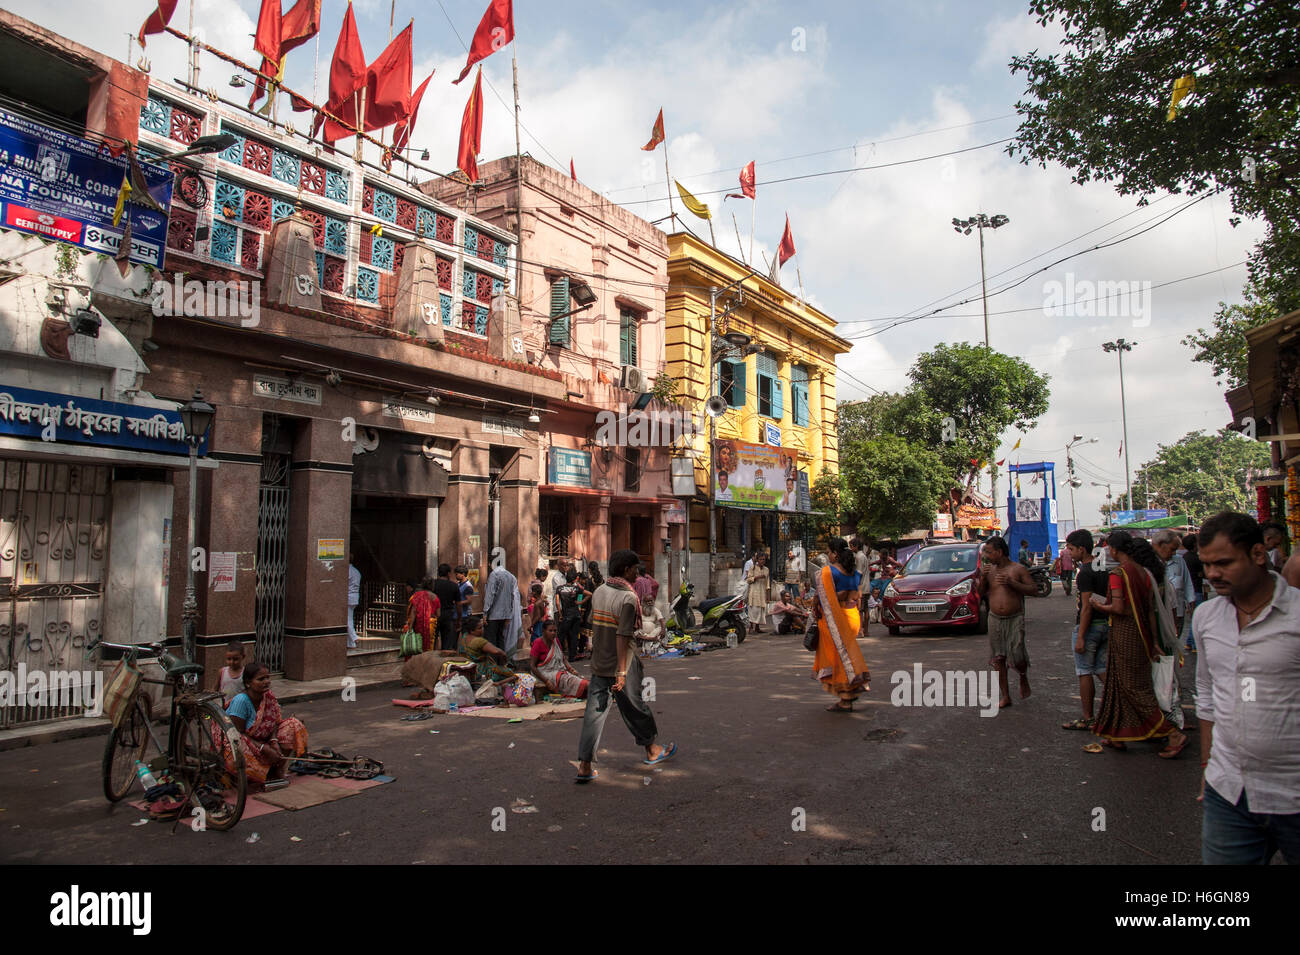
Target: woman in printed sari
[[268, 739], [551, 668], [489, 659], [838, 663], [422, 613], [1129, 710]]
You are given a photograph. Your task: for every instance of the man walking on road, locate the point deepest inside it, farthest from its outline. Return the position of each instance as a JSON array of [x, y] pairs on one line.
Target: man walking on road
[[1247, 673], [1091, 633], [616, 670], [502, 610], [1006, 585]]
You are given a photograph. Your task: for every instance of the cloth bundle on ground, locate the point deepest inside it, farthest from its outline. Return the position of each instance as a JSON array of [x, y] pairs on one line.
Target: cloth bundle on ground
[[426, 669], [519, 693]]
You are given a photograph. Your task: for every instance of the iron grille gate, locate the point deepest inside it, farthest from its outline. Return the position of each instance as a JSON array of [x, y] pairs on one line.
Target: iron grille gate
[[53, 544], [272, 559]]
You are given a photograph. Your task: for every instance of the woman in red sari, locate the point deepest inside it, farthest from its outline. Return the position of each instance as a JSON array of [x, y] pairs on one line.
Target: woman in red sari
[[422, 613], [1129, 710], [838, 663], [268, 739]]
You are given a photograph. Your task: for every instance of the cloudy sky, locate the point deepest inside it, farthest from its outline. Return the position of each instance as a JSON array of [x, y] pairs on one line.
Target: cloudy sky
[[808, 89]]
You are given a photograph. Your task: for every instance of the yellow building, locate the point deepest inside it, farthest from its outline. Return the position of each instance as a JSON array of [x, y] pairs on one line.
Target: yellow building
[[775, 376]]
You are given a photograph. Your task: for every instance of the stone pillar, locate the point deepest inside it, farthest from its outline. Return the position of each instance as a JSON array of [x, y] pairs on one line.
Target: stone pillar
[[140, 540], [519, 514], [291, 277], [417, 309], [464, 515], [316, 591]]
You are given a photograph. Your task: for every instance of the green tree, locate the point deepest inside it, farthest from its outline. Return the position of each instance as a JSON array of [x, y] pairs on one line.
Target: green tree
[[904, 414], [981, 393], [825, 497], [1224, 349], [1202, 473], [1099, 109], [889, 485]]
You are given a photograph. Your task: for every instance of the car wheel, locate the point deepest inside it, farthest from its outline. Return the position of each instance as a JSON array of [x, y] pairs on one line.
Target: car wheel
[[983, 626], [893, 631]]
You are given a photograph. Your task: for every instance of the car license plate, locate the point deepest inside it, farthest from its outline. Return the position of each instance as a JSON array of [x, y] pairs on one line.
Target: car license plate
[[921, 608]]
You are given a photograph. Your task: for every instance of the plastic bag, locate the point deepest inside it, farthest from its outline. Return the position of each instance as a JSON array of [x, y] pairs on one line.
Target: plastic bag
[[462, 694], [487, 693]]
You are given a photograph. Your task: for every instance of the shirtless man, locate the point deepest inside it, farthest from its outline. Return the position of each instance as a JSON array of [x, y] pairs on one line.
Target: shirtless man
[[1006, 584]]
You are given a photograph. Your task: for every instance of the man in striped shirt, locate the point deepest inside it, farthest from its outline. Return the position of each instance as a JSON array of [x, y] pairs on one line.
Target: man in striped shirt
[[615, 668]]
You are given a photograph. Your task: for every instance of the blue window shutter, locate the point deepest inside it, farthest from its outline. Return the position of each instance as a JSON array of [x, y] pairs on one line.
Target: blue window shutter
[[778, 401], [560, 305], [799, 400], [737, 384]]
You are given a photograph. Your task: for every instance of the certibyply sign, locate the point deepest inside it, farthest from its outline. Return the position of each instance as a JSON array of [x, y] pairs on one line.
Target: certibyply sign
[[64, 187]]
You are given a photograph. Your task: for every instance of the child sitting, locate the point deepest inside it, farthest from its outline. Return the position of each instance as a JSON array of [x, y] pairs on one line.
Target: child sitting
[[230, 681]]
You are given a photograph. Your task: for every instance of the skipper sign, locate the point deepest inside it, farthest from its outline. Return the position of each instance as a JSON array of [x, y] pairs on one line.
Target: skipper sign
[[65, 188]]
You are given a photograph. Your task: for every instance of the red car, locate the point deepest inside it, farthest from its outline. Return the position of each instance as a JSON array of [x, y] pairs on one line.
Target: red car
[[936, 588]]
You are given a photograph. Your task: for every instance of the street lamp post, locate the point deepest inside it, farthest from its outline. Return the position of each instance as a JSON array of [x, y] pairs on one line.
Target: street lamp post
[[1110, 508], [1069, 467], [981, 222], [1121, 346], [196, 417]]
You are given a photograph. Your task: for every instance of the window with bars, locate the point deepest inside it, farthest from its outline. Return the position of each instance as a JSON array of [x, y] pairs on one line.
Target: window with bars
[[559, 309], [629, 334], [799, 395], [552, 528], [771, 403]]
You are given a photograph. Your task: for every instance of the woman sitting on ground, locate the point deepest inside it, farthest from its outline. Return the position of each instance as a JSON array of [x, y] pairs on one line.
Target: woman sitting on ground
[[551, 668], [490, 660], [268, 739]]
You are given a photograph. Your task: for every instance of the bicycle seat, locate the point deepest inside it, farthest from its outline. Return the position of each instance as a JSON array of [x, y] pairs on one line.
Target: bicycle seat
[[704, 606], [175, 666]]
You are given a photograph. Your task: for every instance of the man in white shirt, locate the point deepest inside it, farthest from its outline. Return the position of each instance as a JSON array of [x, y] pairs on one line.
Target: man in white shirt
[[1248, 699], [354, 598], [1178, 579], [862, 560]]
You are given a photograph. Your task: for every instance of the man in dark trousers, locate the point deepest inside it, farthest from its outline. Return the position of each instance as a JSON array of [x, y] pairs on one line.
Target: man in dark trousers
[[448, 593], [615, 669]]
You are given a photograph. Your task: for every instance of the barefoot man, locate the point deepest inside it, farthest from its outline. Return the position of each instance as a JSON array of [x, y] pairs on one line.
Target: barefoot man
[[1006, 585]]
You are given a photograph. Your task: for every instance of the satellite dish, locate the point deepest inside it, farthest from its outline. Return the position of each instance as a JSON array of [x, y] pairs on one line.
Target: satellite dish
[[716, 406]]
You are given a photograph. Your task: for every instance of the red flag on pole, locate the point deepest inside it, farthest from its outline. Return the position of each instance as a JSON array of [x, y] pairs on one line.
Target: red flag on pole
[[495, 30], [277, 35], [299, 25], [786, 249], [573, 173], [158, 20], [471, 131], [747, 190], [347, 76], [656, 134], [402, 132], [267, 38], [388, 83]]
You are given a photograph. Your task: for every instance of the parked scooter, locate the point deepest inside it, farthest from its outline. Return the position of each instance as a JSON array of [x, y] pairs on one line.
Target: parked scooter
[[720, 614], [1042, 577]]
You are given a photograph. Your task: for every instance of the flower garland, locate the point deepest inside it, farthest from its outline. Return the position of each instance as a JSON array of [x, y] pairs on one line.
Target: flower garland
[[1263, 511], [1292, 504]]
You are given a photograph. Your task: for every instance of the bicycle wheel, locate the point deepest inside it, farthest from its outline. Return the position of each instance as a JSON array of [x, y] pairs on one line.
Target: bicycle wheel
[[126, 744], [209, 760]]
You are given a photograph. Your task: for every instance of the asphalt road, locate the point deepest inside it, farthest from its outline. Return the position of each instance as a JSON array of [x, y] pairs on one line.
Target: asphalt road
[[757, 752]]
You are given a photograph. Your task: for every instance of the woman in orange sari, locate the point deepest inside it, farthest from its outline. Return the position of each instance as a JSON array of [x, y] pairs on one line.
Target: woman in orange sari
[[1129, 710], [838, 663]]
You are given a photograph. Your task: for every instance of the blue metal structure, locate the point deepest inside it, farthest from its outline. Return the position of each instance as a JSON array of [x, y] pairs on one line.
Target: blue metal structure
[[1031, 514]]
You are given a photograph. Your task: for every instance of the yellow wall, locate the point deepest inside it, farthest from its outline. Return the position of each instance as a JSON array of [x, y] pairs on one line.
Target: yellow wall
[[795, 332]]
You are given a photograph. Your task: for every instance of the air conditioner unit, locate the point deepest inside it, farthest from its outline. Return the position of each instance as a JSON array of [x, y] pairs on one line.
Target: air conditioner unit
[[634, 379]]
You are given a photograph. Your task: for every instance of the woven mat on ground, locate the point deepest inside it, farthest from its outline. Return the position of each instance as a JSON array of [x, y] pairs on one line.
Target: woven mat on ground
[[538, 711], [303, 792]]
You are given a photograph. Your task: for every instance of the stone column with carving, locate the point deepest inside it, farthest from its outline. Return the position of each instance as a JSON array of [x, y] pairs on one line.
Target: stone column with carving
[[417, 309], [291, 277]]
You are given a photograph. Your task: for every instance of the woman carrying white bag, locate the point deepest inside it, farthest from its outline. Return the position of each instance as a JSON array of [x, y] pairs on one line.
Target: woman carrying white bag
[[1141, 637]]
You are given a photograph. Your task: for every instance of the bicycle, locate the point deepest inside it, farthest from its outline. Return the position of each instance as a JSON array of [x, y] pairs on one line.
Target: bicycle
[[199, 737]]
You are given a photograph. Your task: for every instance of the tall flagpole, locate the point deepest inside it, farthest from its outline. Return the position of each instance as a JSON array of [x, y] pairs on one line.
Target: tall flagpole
[[740, 246], [753, 204], [669, 178], [519, 183]]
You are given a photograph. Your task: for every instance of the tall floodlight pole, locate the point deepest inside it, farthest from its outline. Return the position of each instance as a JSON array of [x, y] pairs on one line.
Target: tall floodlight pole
[[1121, 346], [980, 222], [1110, 509]]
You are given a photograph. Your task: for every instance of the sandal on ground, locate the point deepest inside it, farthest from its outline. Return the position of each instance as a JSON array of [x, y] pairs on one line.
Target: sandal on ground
[[585, 779], [1079, 724], [1094, 748], [1170, 751]]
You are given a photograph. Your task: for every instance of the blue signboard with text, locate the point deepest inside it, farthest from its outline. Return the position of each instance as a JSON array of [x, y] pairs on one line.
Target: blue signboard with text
[[71, 419], [569, 467], [65, 188]]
